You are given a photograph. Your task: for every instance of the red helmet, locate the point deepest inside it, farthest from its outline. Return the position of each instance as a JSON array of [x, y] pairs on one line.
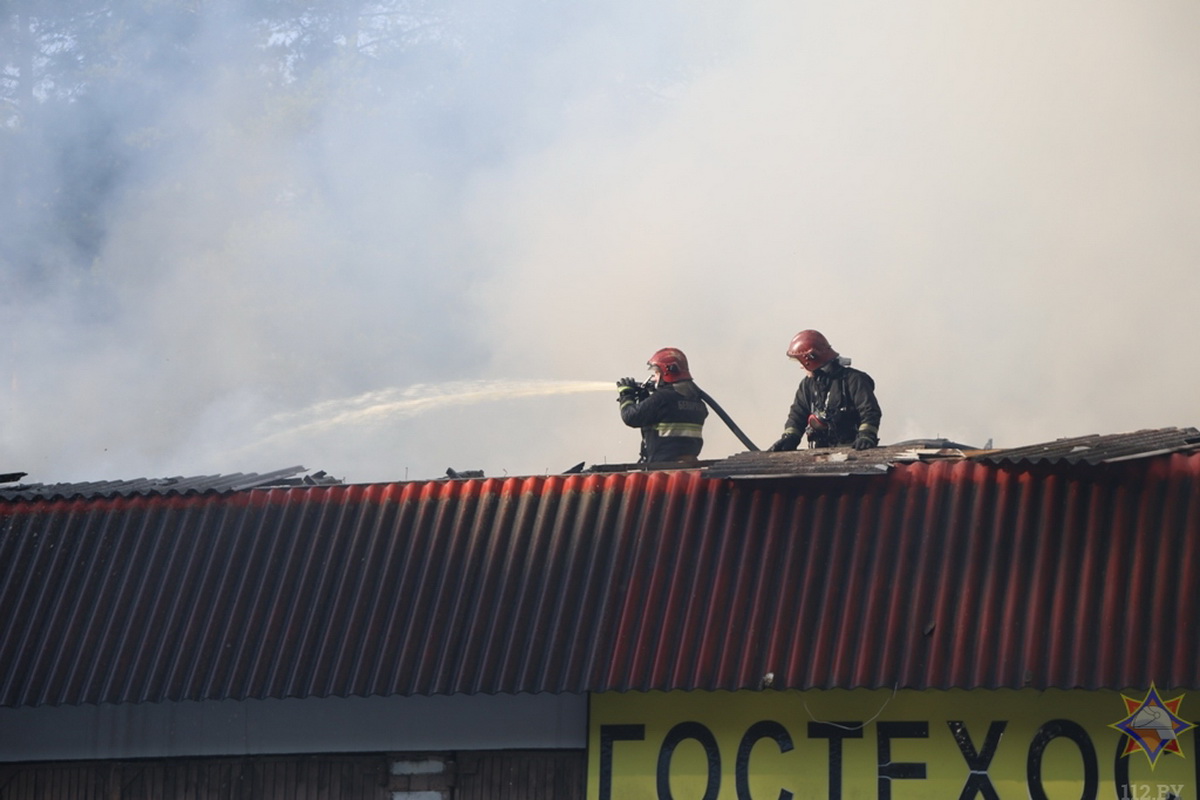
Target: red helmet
[[672, 365], [811, 349]]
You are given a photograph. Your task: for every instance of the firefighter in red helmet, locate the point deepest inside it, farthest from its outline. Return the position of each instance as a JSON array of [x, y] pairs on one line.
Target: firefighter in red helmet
[[671, 414], [835, 404]]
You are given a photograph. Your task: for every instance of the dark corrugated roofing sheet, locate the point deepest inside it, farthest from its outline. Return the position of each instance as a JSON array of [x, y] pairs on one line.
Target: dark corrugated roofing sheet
[[946, 574], [200, 484], [1101, 449], [845, 461]]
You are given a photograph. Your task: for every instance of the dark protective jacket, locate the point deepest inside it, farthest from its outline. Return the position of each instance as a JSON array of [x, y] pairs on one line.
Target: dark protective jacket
[[671, 419], [844, 397]]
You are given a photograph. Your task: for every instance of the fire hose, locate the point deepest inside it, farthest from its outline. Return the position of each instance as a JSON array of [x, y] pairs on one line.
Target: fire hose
[[743, 438]]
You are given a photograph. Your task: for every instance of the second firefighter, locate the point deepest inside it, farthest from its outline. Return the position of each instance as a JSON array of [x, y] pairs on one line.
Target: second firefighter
[[835, 404]]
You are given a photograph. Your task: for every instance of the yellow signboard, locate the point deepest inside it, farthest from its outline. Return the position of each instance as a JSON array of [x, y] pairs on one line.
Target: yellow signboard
[[885, 745]]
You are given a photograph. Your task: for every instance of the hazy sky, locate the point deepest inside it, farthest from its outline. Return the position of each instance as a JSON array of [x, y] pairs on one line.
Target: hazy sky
[[992, 207]]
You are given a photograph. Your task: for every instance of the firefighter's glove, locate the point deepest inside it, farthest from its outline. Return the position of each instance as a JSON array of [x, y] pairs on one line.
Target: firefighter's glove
[[627, 389], [865, 441], [789, 441]]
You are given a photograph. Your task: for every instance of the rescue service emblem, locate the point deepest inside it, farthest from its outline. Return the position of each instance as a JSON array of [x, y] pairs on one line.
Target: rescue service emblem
[[1152, 725]]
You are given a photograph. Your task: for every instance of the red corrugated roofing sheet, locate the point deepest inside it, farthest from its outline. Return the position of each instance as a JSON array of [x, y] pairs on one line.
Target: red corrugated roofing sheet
[[949, 574]]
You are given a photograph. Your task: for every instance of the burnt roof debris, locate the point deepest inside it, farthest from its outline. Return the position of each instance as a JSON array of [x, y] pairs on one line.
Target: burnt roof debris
[[819, 462], [201, 484], [464, 474]]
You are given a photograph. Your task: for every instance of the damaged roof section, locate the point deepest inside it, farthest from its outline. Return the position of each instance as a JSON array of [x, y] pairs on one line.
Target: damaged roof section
[[833, 461], [820, 462], [201, 484], [846, 461]]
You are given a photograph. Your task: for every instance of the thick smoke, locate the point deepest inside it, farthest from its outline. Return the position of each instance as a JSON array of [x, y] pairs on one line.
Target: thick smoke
[[992, 208]]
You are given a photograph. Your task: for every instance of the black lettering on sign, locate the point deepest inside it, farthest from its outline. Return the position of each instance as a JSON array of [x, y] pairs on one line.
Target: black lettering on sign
[[890, 770], [1061, 729], [608, 735], [835, 732], [681, 732], [978, 781], [1121, 771], [766, 729]]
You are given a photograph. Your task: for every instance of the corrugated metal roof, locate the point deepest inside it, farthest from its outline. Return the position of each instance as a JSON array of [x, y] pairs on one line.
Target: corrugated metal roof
[[199, 484], [946, 574]]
